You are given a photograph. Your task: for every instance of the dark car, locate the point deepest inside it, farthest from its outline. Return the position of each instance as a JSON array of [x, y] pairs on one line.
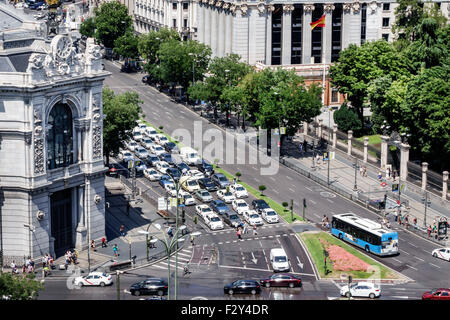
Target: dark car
[[164, 180], [150, 286], [220, 180], [35, 5], [182, 166], [260, 204], [167, 157], [171, 147], [243, 286], [437, 294], [206, 183], [232, 219], [174, 172], [219, 206], [282, 280], [205, 167], [151, 160], [114, 170]]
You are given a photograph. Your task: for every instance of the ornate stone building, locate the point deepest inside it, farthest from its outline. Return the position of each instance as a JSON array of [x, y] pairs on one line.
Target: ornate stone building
[[51, 159]]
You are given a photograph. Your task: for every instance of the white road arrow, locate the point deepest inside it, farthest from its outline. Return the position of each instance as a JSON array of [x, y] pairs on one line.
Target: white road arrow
[[300, 264], [254, 259], [400, 297]]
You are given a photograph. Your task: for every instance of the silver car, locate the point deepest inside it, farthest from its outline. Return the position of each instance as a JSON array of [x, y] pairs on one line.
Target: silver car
[[203, 195]]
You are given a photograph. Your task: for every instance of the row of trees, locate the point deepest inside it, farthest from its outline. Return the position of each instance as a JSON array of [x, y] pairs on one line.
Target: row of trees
[[405, 83]]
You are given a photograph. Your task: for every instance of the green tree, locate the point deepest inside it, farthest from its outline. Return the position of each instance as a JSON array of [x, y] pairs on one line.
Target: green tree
[[111, 21], [149, 44], [347, 119], [127, 46], [19, 287], [87, 28], [121, 111], [358, 66]]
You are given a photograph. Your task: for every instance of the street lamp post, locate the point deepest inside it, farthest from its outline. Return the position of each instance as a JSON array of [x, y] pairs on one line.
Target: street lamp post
[[355, 187]]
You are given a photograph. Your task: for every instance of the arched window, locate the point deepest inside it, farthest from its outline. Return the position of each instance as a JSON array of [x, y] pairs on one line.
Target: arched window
[[59, 138]]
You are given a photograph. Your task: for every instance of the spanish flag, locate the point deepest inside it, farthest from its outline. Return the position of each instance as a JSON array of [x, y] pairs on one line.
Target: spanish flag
[[318, 23]]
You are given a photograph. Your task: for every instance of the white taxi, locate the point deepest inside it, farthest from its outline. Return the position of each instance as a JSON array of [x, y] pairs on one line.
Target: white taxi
[[213, 221], [152, 174], [238, 191], [270, 216], [225, 196], [442, 253], [240, 206], [252, 217], [203, 210], [162, 166], [94, 279], [361, 289]]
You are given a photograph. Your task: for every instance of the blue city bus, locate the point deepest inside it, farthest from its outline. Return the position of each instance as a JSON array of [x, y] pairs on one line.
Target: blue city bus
[[365, 233]]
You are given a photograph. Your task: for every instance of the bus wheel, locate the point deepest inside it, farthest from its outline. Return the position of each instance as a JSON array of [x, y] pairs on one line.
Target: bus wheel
[[367, 249]]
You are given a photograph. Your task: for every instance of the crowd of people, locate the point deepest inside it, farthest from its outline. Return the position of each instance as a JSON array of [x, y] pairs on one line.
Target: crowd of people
[[243, 228]]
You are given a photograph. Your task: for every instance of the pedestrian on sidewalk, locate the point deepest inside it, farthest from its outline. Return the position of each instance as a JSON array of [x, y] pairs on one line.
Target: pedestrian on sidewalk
[[388, 173], [170, 232], [305, 145], [255, 231], [116, 250], [318, 159], [380, 176], [192, 240], [93, 245], [300, 147], [429, 231], [365, 171], [415, 223], [104, 242], [238, 233], [394, 175], [361, 171], [245, 228], [122, 230]]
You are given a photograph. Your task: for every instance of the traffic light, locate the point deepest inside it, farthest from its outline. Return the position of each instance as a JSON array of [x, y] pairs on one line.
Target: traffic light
[[183, 218], [304, 202], [395, 187]]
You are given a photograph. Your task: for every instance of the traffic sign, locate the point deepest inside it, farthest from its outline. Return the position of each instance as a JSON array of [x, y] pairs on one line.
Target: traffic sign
[[162, 203], [283, 130], [383, 184]]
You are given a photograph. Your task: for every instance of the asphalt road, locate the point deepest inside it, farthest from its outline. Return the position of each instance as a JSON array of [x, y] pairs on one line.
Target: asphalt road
[[415, 259]]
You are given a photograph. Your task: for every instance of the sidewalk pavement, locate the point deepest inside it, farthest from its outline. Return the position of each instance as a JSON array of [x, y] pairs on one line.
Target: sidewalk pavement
[[342, 173]]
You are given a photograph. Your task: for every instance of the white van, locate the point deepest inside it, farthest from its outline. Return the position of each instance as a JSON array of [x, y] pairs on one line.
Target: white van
[[189, 155], [279, 260]]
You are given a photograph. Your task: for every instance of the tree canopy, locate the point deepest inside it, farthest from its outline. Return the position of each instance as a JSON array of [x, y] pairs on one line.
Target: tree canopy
[[111, 21], [127, 46], [19, 287], [87, 28]]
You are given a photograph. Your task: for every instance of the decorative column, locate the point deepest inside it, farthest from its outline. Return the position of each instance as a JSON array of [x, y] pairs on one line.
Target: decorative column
[[404, 158], [384, 151], [424, 175], [335, 128], [201, 22], [228, 29], [328, 11], [221, 41], [213, 29], [306, 33], [320, 128], [349, 142], [286, 34], [366, 145], [81, 230], [444, 184], [207, 25]]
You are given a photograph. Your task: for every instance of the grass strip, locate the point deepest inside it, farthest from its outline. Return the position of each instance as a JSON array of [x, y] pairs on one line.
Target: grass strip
[[286, 214], [316, 250]]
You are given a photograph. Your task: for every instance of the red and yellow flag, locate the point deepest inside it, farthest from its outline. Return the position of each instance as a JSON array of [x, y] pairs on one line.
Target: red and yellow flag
[[318, 23]]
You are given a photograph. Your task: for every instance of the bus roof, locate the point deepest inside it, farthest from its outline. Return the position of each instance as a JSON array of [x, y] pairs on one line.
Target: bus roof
[[365, 224]]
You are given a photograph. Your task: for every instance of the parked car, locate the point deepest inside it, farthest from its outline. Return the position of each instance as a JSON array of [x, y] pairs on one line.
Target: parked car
[[173, 172], [195, 174], [270, 216], [167, 157], [171, 190], [157, 149], [206, 183], [252, 217], [220, 180], [151, 160], [151, 133], [142, 127], [226, 196], [189, 184], [150, 286], [242, 286], [203, 195], [182, 166], [437, 294], [147, 79], [161, 139], [202, 210], [281, 280], [171, 147], [146, 142], [238, 191], [240, 206], [232, 219], [141, 153], [188, 199], [219, 207], [125, 156], [442, 253], [205, 167], [361, 289], [131, 145], [213, 222], [94, 279], [137, 136], [259, 204], [162, 166], [152, 174]]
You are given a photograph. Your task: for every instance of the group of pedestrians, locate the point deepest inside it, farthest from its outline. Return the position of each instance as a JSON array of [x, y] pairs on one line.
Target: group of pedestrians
[[363, 171], [70, 257], [389, 174], [325, 223], [244, 228], [27, 267]]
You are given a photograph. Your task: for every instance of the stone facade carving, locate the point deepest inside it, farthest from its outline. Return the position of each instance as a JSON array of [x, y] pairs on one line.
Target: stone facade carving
[[244, 9], [308, 7], [270, 8], [347, 7], [261, 8], [219, 4], [328, 7], [97, 142], [373, 7], [226, 5], [233, 8], [39, 155], [211, 2], [356, 7], [288, 8]]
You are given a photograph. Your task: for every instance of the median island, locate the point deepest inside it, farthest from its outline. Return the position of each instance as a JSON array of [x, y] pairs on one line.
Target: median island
[[343, 260]]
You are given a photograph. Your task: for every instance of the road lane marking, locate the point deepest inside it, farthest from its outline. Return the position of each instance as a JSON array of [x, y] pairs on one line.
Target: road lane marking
[[256, 179], [396, 260], [413, 245], [289, 178], [308, 189], [272, 178], [404, 251], [275, 191], [292, 190], [313, 202], [411, 267], [435, 265], [419, 259]]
